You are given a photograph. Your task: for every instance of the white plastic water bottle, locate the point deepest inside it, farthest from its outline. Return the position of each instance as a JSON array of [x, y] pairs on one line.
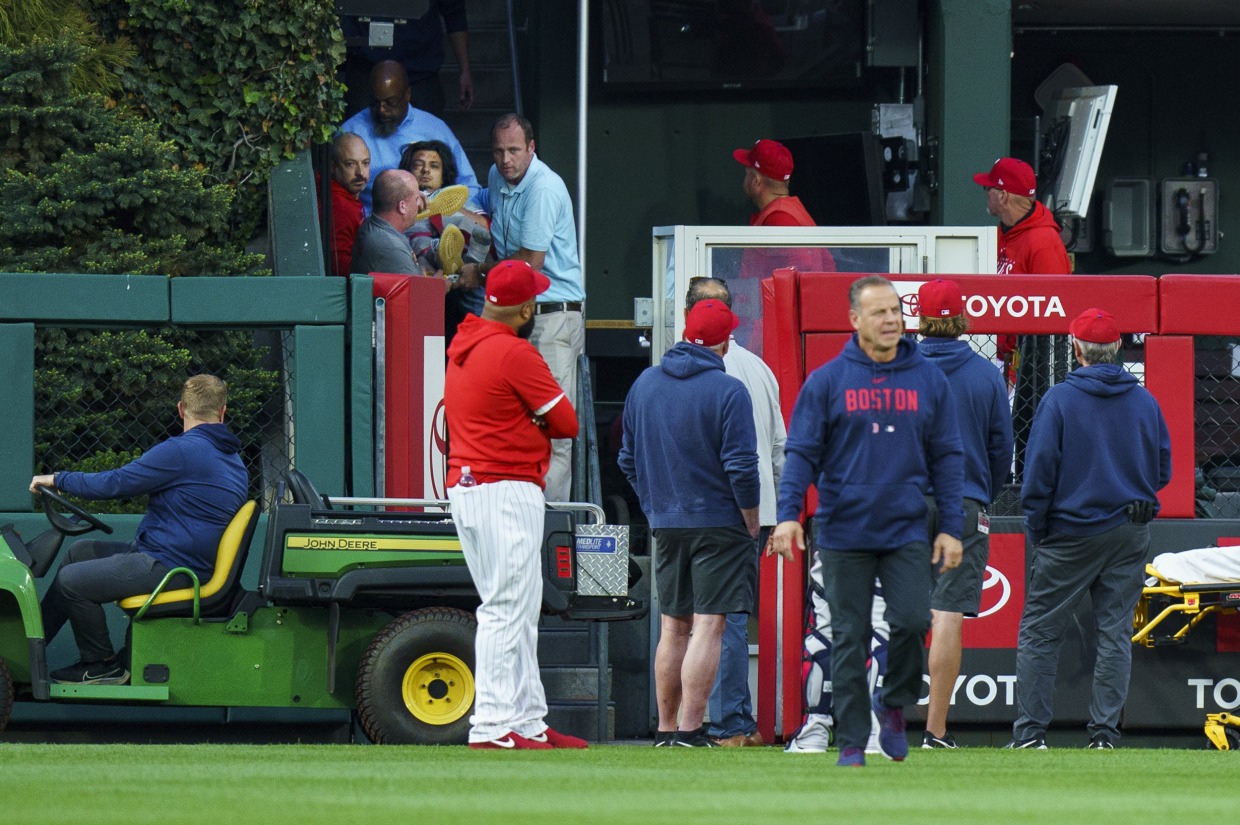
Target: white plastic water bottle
[[467, 478]]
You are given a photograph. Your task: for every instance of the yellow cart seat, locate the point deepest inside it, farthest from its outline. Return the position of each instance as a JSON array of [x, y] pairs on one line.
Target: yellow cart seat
[[215, 595]]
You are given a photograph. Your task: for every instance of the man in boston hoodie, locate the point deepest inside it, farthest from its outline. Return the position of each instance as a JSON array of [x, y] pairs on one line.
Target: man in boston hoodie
[[196, 483], [1098, 454], [690, 452], [875, 429], [985, 422]]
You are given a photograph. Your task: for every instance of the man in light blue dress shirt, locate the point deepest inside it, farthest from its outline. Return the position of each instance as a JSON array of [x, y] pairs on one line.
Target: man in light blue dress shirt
[[532, 220], [392, 123]]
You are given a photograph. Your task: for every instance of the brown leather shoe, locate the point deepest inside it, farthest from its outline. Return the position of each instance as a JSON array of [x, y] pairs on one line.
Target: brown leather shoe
[[742, 740]]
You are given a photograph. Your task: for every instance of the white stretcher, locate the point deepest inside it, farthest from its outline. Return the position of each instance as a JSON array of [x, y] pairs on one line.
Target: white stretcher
[[1186, 586]]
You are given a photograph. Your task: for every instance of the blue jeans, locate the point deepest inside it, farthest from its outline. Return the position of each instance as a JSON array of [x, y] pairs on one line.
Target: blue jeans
[[92, 574], [730, 706]]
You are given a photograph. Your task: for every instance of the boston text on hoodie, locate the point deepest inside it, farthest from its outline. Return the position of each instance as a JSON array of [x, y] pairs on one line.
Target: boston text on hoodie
[[875, 437]]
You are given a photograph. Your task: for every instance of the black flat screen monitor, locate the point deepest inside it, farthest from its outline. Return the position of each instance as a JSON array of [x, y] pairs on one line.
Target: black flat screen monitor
[[839, 178], [731, 44]]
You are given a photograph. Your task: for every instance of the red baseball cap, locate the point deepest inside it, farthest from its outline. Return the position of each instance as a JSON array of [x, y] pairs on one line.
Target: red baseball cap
[[512, 283], [1010, 175], [939, 298], [770, 157], [1097, 326], [709, 323]]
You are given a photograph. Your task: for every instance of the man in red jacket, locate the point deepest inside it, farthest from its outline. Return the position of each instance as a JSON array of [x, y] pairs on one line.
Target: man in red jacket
[[768, 172], [503, 408], [350, 171], [1029, 242]]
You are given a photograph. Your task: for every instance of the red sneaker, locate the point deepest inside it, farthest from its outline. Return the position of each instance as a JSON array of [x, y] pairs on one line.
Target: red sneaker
[[560, 740], [511, 741]]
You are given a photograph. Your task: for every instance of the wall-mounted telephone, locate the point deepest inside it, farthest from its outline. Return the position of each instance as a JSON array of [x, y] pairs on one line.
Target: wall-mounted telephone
[[1189, 217]]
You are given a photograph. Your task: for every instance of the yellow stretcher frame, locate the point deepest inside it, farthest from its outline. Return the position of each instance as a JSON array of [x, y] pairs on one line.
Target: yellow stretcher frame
[[1191, 601]]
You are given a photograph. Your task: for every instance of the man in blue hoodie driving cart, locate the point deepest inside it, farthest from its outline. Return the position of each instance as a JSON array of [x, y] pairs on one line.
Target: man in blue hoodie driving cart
[[196, 483]]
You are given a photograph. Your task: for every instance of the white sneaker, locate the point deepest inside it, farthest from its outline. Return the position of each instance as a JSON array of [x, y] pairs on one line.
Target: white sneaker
[[813, 737]]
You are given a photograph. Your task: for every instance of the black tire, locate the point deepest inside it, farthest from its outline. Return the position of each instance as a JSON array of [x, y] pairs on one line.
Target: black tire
[[1233, 738], [6, 695], [415, 682]]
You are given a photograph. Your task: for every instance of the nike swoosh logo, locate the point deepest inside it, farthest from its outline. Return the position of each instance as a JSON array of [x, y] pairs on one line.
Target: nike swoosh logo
[[879, 380], [506, 742]]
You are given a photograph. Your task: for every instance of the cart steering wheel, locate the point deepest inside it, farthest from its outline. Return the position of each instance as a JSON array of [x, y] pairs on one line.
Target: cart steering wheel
[[48, 497]]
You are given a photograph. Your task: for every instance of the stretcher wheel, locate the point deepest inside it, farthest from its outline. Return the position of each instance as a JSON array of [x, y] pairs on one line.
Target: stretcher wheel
[[415, 683], [1233, 739]]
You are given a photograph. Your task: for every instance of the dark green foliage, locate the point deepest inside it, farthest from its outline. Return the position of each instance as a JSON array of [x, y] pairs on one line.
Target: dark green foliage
[[89, 187], [22, 21], [238, 85]]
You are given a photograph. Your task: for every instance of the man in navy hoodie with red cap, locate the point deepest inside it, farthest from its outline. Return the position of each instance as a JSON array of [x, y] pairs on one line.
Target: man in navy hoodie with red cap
[[690, 452], [503, 407], [1098, 454], [986, 433], [875, 428]]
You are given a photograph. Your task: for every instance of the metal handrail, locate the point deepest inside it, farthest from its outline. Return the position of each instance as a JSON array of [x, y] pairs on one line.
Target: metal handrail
[[512, 53], [160, 588], [367, 501]]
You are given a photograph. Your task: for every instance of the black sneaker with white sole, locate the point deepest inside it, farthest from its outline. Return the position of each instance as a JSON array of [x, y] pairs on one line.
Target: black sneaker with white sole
[[1100, 743], [664, 738], [110, 672], [929, 741], [694, 739], [1033, 743]]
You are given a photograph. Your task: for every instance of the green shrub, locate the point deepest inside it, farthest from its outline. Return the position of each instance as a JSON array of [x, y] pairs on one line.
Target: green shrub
[[238, 85]]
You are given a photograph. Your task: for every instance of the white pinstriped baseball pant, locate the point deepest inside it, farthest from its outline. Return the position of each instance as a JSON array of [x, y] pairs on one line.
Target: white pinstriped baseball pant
[[501, 529]]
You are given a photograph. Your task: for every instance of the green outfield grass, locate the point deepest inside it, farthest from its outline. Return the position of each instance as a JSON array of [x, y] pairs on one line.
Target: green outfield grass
[[625, 785]]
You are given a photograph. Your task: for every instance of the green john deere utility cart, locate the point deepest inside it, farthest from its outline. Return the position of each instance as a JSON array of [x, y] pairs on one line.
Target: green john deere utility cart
[[364, 604]]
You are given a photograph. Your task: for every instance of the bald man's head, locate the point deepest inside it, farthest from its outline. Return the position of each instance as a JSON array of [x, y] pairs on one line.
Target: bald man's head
[[350, 162], [389, 93]]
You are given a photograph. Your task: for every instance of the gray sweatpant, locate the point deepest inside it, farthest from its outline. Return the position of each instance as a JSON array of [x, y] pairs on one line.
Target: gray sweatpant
[[1108, 567]]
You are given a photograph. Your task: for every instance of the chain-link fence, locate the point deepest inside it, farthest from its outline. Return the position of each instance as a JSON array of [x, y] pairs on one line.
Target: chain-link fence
[[103, 397], [1033, 364], [1217, 412]]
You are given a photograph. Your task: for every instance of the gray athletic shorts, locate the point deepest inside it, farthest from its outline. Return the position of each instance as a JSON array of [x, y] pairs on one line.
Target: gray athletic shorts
[[705, 570], [960, 590]]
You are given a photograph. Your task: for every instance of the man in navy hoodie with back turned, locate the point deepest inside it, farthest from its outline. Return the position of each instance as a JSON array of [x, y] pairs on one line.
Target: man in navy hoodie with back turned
[[986, 433], [690, 452], [875, 428], [196, 483], [1098, 454]]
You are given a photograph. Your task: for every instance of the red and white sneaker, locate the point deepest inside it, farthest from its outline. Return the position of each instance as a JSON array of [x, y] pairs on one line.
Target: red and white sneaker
[[511, 741], [560, 740]]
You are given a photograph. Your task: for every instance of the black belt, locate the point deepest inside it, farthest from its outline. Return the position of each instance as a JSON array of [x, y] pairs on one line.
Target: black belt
[[562, 306]]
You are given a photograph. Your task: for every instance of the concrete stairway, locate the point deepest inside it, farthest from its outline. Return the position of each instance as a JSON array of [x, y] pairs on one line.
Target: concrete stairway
[[494, 93]]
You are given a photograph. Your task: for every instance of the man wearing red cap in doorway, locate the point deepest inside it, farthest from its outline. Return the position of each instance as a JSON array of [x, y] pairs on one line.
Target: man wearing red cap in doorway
[[1029, 242], [1098, 455], [985, 421], [503, 407], [768, 173], [690, 452]]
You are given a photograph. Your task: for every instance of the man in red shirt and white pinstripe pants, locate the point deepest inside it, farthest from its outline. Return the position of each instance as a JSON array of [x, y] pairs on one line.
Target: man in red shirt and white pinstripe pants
[[503, 408]]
